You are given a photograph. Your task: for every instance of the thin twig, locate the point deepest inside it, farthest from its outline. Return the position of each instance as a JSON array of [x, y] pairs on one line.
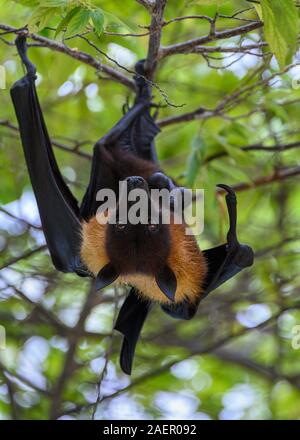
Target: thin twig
[[187, 46], [83, 57], [70, 364], [75, 150], [256, 147], [276, 176], [23, 256], [157, 13]]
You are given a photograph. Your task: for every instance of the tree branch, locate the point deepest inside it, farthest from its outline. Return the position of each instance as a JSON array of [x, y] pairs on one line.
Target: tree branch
[[70, 364], [199, 113], [256, 147], [83, 57], [227, 103], [157, 12], [229, 49], [61, 146], [25, 255], [195, 349], [188, 46], [269, 374], [17, 377], [148, 4], [276, 176]]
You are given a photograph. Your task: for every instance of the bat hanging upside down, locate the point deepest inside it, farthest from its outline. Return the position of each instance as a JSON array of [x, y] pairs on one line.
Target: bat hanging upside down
[[159, 261]]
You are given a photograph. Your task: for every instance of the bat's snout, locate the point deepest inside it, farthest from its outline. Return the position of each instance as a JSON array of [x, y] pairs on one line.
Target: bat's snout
[[136, 182]]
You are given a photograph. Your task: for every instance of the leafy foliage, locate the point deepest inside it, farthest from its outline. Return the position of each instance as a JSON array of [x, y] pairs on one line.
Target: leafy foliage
[[77, 16], [235, 359], [281, 28]]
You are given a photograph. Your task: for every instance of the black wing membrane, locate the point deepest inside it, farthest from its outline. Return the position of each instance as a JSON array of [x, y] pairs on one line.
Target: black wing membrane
[[130, 321], [224, 262], [57, 206], [144, 129]]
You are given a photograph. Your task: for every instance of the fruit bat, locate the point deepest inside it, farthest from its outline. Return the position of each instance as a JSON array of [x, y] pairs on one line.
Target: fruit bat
[[160, 262]]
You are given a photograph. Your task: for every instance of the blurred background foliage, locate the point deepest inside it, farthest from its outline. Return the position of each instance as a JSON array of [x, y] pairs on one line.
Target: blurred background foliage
[[235, 359]]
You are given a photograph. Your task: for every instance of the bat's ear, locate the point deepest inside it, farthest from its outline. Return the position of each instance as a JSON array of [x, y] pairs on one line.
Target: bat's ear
[[166, 281], [106, 276]]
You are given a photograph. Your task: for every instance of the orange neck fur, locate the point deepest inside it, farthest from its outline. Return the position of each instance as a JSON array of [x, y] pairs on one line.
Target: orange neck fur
[[186, 260]]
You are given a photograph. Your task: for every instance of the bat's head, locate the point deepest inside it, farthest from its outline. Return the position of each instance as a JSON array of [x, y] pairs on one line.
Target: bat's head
[[138, 244], [158, 258]]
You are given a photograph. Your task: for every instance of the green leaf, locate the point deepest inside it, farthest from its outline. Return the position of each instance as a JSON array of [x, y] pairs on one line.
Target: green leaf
[[114, 24], [54, 3], [30, 3], [240, 156], [79, 22], [41, 17], [66, 20], [195, 160], [98, 21], [237, 176], [281, 25], [258, 10], [277, 110]]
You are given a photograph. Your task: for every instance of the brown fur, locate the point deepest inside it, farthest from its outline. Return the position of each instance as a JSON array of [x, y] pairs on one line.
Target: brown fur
[[186, 260], [125, 164], [93, 252]]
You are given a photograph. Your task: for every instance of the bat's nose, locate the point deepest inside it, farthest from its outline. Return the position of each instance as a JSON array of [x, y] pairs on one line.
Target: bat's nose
[[136, 182]]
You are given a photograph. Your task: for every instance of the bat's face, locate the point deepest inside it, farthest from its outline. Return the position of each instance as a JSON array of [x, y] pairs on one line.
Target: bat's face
[[141, 247], [158, 259], [135, 245]]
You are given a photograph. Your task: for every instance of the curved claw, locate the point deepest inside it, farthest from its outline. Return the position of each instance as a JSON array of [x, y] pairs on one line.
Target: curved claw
[[230, 191], [232, 213], [143, 85], [140, 67], [22, 50]]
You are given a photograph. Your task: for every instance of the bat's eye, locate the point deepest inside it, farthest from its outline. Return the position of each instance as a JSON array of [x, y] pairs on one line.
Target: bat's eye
[[152, 227], [120, 226]]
